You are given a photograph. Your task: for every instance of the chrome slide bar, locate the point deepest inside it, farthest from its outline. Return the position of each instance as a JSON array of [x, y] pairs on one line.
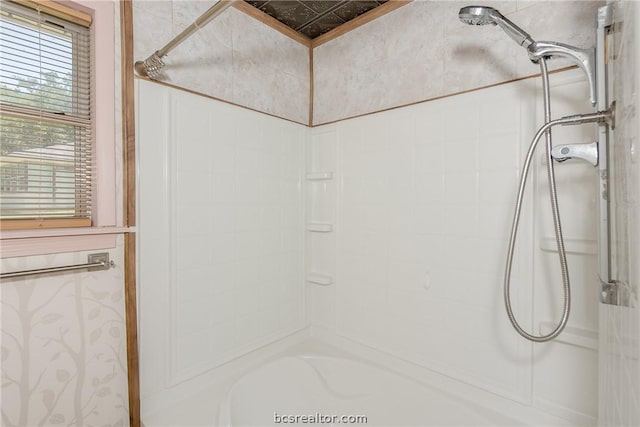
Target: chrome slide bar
[[612, 291]]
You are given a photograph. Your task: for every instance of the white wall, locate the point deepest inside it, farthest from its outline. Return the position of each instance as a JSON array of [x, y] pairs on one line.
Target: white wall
[[220, 235], [620, 341], [421, 51], [235, 57], [425, 196], [63, 335], [565, 371]]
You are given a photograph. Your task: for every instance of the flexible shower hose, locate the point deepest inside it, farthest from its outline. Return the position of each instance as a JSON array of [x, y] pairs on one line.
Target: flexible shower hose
[[556, 220]]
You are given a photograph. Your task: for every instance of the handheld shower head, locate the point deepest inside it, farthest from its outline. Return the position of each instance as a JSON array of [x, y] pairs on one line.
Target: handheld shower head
[[477, 15], [584, 58], [484, 15]]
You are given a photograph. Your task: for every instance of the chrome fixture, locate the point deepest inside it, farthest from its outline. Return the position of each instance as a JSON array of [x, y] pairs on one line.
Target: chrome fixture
[[584, 58], [484, 15], [612, 291], [594, 153], [153, 65], [598, 117], [95, 262]]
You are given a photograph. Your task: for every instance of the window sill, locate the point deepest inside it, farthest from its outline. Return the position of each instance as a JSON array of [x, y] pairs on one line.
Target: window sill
[[16, 243]]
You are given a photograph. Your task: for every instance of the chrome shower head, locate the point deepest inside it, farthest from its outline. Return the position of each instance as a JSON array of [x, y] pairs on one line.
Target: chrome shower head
[[484, 15], [477, 15], [584, 58]]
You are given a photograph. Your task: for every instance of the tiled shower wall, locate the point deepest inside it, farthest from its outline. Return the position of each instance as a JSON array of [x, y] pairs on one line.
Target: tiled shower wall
[[421, 51], [235, 57], [220, 248], [620, 326], [422, 203]]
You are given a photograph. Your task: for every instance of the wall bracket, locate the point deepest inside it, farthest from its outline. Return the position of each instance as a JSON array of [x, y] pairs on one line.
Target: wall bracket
[[616, 293]]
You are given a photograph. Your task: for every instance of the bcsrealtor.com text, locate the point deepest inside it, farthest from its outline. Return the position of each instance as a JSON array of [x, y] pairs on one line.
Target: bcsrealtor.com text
[[318, 418]]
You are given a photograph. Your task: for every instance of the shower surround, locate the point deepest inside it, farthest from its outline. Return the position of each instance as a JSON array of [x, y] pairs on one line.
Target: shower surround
[[407, 211], [424, 198]]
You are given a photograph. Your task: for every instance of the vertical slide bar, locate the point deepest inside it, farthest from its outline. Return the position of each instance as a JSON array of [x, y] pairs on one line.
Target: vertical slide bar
[[604, 262]]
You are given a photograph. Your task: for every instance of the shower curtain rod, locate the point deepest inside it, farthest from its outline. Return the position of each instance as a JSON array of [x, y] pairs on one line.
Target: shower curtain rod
[[152, 66]]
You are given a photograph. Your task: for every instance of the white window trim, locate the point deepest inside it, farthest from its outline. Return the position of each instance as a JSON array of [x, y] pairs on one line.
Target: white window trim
[[106, 225]]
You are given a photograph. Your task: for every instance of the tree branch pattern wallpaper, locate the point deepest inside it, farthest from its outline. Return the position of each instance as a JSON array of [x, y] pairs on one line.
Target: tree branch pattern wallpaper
[[63, 347]]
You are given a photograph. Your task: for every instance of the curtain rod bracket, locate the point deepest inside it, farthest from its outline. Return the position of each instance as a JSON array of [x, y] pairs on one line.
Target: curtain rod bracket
[[153, 65]]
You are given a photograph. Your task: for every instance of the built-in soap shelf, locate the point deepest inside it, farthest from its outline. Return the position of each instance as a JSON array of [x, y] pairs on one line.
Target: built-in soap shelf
[[580, 337], [320, 279], [320, 227], [574, 246], [319, 176]]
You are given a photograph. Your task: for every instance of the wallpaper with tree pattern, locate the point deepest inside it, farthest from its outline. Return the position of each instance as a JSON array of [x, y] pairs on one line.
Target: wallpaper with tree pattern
[[63, 345]]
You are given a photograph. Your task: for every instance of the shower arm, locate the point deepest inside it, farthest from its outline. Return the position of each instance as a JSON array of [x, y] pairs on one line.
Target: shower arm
[[584, 58], [152, 66]]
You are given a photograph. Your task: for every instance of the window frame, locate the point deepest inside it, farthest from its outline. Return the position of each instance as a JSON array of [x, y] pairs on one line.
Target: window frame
[[101, 233], [56, 33]]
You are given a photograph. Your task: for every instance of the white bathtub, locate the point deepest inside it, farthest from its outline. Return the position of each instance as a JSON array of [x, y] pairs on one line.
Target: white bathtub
[[324, 375], [293, 386]]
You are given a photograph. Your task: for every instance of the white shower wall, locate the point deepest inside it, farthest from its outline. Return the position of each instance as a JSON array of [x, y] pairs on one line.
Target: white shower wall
[[403, 217], [406, 221], [423, 202], [221, 252]]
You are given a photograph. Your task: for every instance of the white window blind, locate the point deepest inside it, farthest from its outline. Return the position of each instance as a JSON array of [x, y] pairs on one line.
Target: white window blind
[[45, 120]]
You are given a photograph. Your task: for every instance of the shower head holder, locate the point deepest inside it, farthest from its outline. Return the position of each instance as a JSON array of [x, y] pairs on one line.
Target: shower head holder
[[583, 58]]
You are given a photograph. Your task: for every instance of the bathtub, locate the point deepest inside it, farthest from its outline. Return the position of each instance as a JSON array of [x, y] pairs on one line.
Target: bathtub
[[320, 375], [333, 390]]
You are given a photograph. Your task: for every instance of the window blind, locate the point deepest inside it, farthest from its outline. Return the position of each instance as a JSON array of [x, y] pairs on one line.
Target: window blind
[[46, 131]]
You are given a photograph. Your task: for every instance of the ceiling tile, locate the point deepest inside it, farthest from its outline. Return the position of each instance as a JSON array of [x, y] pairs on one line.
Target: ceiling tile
[[355, 8], [314, 17], [323, 25], [291, 13], [320, 6], [256, 3]]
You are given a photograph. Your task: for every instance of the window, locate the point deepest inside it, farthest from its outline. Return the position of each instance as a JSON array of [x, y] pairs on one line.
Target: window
[[14, 178], [46, 120]]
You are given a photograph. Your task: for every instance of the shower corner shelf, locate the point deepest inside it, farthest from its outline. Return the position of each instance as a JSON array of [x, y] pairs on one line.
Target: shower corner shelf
[[319, 176], [320, 279], [320, 227]]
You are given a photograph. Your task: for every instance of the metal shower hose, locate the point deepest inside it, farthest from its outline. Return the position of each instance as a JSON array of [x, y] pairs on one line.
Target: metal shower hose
[[556, 220]]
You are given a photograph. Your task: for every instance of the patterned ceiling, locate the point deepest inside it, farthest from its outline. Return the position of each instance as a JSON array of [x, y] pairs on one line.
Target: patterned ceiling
[[313, 18]]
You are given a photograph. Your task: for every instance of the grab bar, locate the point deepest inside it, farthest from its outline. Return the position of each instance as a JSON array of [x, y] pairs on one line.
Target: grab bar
[[95, 262]]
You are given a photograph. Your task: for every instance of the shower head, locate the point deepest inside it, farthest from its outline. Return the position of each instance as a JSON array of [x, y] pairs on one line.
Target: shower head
[[477, 15], [584, 58], [484, 15]]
